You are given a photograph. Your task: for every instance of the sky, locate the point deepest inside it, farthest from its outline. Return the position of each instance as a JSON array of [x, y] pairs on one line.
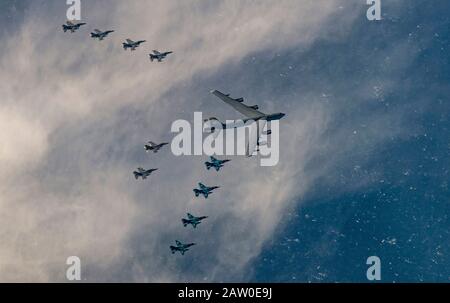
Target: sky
[[364, 147]]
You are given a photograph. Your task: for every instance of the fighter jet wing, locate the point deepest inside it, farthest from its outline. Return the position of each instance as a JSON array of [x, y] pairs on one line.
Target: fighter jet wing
[[255, 132], [69, 22], [190, 216], [130, 41], [156, 52], [97, 31], [242, 108]]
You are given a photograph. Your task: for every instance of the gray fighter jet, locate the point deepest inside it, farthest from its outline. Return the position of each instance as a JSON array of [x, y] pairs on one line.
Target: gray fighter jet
[[143, 173], [130, 44], [154, 147], [72, 26], [182, 248], [159, 56], [204, 190], [194, 221], [217, 164], [98, 34], [252, 114]]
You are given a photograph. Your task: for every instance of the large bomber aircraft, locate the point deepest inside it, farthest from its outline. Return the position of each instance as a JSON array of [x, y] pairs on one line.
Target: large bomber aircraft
[[252, 114]]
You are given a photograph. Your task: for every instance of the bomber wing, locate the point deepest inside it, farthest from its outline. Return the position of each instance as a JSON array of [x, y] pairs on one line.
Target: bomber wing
[[242, 108]]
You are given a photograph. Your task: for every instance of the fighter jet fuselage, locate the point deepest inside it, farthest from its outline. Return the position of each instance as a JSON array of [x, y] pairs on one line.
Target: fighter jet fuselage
[[72, 27], [143, 173], [159, 56], [98, 34], [130, 44], [154, 147], [215, 163], [204, 190], [192, 220], [180, 247]]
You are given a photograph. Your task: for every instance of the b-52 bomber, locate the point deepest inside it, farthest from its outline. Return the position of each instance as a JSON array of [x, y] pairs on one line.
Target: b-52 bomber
[[71, 26], [204, 190], [182, 248], [252, 114], [130, 44], [143, 173], [159, 56], [98, 34], [217, 164], [193, 220], [154, 147]]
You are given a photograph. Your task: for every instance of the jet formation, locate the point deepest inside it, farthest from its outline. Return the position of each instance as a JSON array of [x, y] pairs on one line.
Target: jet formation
[[250, 112]]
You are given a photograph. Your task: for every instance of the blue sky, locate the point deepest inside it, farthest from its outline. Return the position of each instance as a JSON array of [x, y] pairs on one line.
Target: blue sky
[[364, 156]]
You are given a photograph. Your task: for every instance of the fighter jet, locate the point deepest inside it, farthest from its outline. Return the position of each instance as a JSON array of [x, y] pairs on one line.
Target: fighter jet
[[204, 190], [154, 147], [98, 34], [130, 44], [217, 164], [194, 221], [182, 248], [252, 114], [159, 56], [143, 173], [71, 26]]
